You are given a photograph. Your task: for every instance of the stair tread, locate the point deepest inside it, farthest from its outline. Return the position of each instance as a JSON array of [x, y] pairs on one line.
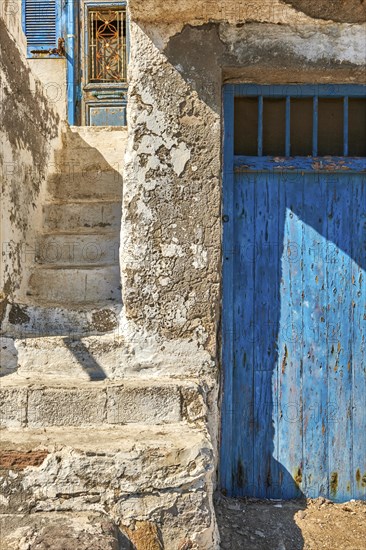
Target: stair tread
[[84, 231], [71, 267], [87, 201], [70, 304], [178, 435], [15, 381]]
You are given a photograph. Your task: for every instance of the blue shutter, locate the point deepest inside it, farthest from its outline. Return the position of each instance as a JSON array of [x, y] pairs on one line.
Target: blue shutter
[[41, 23]]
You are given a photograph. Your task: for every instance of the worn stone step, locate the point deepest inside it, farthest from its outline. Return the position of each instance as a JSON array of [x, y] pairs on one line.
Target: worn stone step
[[160, 474], [93, 184], [84, 160], [89, 166], [86, 148], [75, 285], [82, 216], [31, 321], [69, 249], [109, 141], [37, 404], [96, 356]]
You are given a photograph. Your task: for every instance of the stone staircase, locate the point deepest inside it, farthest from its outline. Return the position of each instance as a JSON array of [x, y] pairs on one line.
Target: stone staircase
[[97, 451], [75, 270], [134, 451]]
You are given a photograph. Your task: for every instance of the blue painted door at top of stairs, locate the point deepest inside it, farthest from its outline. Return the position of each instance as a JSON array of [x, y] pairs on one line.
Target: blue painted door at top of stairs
[[97, 56], [294, 332]]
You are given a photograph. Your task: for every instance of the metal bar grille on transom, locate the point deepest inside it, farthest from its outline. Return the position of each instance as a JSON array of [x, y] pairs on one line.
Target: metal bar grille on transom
[[107, 45]]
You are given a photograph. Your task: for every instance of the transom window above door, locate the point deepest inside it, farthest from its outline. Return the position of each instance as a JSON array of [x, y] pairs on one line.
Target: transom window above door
[[107, 45], [289, 121]]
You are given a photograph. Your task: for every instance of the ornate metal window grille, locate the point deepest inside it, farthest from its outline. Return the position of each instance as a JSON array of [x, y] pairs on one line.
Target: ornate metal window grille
[[107, 45]]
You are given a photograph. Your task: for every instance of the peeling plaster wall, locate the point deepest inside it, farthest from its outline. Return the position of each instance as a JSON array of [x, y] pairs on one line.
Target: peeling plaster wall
[[351, 11], [169, 263], [236, 11], [181, 53], [29, 132]]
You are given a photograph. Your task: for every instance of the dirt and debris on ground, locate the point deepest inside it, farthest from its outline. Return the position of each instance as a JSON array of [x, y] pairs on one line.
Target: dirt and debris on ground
[[250, 524]]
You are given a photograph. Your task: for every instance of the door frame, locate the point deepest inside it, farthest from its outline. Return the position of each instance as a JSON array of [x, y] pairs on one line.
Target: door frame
[[256, 164]]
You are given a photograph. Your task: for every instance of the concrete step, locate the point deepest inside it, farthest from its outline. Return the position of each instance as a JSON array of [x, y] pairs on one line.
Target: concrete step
[[39, 404], [31, 321], [97, 356], [86, 148], [100, 144], [69, 249], [85, 159], [96, 184], [76, 285], [82, 216], [160, 474], [89, 166]]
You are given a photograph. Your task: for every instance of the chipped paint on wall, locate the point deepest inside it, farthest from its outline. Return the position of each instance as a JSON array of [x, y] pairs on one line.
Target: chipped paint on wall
[[30, 129]]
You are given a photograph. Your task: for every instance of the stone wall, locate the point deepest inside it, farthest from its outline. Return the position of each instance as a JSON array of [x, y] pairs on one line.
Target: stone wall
[[29, 133], [237, 11]]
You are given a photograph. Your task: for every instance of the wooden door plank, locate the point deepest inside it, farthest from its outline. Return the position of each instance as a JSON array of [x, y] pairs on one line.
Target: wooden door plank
[[266, 323], [358, 320], [243, 310], [290, 335], [339, 290], [315, 390]]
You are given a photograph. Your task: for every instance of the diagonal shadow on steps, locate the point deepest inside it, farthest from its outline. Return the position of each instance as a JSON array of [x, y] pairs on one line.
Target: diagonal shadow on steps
[[85, 359]]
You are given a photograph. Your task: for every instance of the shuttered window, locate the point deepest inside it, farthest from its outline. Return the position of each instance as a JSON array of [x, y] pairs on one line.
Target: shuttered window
[[42, 25]]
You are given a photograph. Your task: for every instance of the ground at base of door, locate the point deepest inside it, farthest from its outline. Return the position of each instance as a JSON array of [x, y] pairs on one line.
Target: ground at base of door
[[318, 524]]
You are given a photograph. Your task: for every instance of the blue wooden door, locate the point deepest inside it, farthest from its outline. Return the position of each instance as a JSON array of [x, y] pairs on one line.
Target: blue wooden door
[[294, 317]]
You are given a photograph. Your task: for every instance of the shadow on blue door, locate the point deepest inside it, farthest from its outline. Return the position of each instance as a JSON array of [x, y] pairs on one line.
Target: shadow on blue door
[[293, 410]]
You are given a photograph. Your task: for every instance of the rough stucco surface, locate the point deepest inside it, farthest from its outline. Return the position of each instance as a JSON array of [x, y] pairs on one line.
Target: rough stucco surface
[[343, 11], [170, 258], [28, 127], [161, 475], [60, 531]]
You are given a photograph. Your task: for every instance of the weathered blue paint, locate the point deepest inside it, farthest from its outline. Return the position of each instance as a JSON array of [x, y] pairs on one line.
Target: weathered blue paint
[[107, 115], [294, 323], [41, 23], [228, 290], [358, 348], [288, 128], [72, 59], [111, 98], [299, 164], [291, 90], [315, 126], [75, 78], [260, 126], [345, 126]]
